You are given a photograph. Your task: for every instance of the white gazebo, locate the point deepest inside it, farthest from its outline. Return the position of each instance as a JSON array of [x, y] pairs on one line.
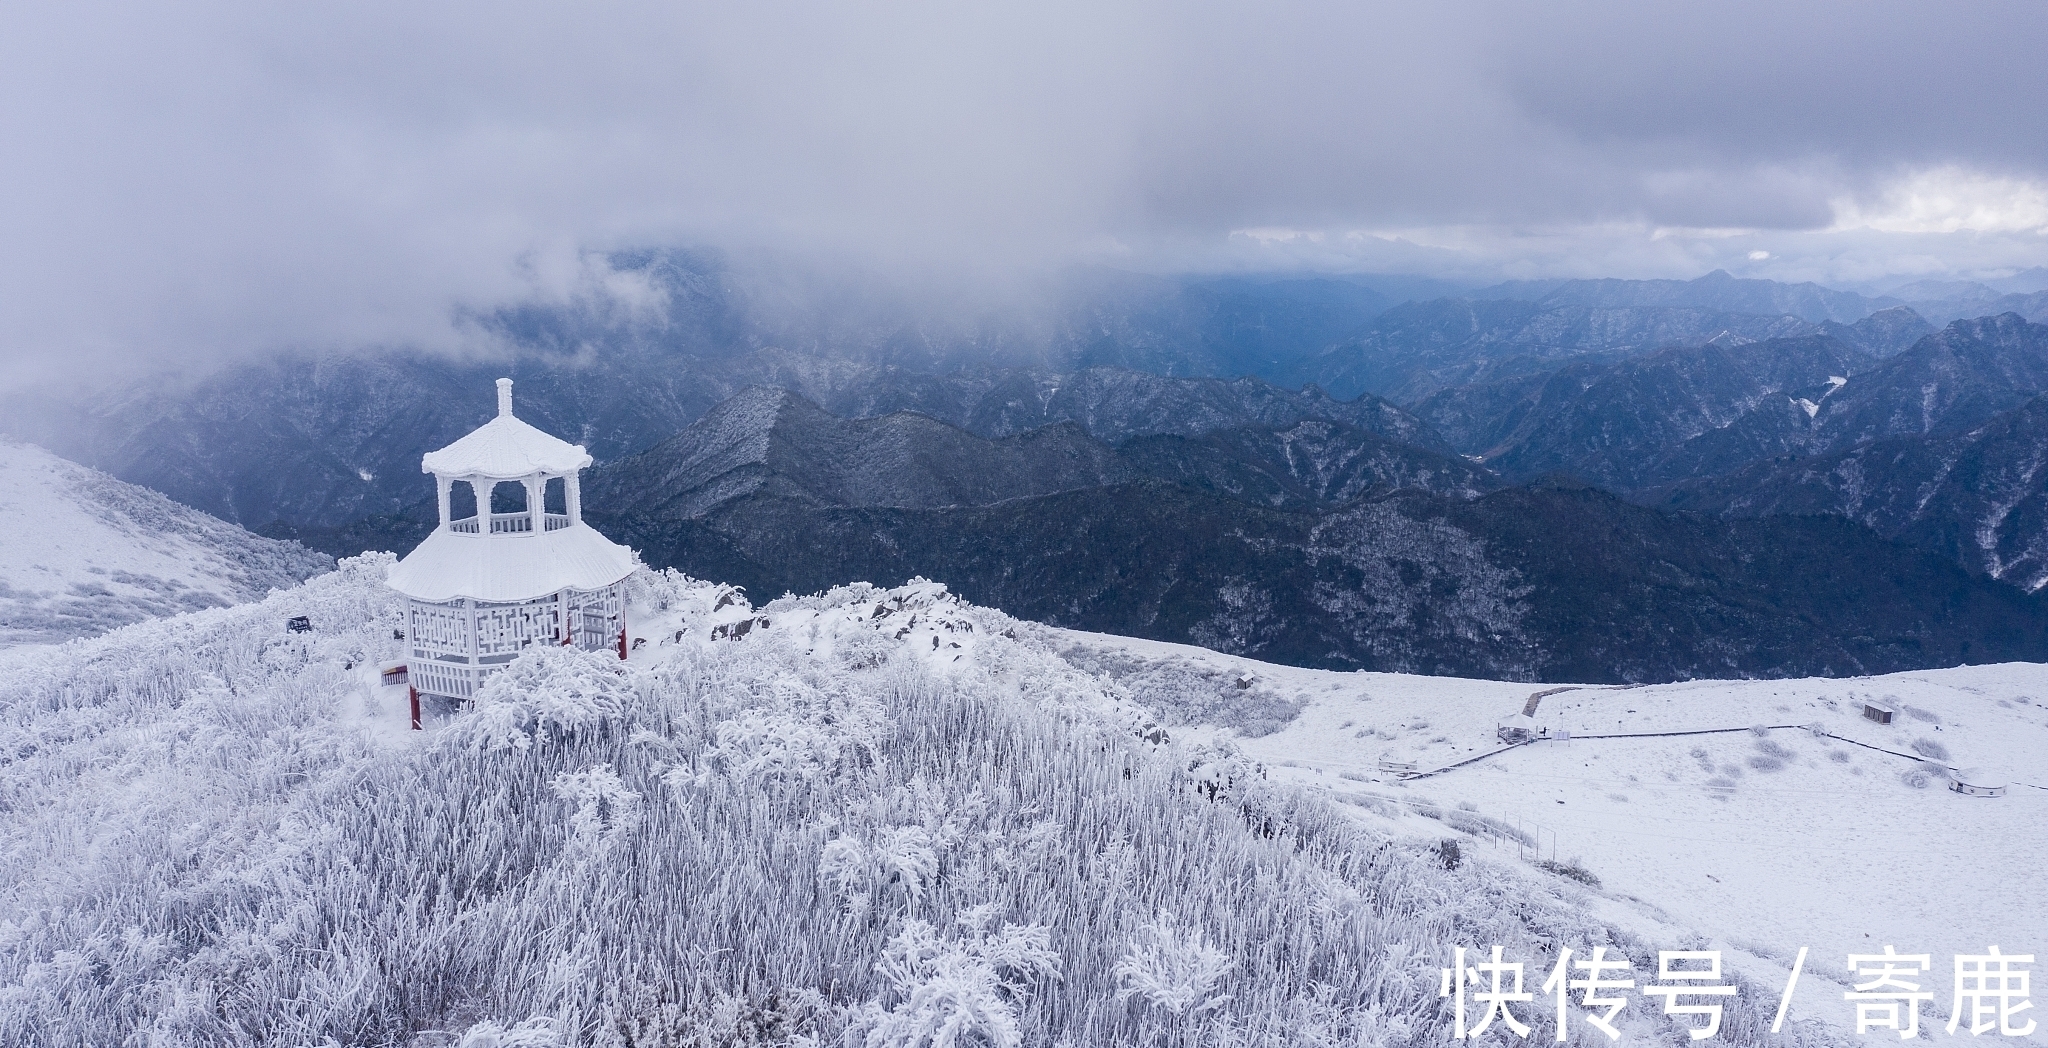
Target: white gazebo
[[485, 586]]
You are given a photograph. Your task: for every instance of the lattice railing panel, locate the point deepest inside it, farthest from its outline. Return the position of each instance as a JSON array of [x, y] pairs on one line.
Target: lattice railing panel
[[438, 629], [503, 629]]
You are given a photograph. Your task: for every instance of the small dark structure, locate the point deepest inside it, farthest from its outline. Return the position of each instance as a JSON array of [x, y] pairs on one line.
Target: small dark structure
[[1878, 712], [298, 624], [391, 673]]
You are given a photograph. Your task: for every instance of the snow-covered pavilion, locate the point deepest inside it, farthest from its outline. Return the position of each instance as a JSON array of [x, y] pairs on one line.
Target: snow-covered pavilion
[[485, 586]]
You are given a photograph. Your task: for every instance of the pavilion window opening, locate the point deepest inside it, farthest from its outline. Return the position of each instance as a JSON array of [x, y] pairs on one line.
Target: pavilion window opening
[[511, 507], [459, 505], [507, 496]]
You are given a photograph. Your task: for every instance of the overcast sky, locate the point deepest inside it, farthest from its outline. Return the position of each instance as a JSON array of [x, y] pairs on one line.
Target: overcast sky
[[208, 178]]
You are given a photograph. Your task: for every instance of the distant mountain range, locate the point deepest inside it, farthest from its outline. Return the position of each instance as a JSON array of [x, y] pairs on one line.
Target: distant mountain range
[[1415, 350], [772, 441], [1979, 497], [1395, 485], [1316, 543], [1639, 420], [1716, 292], [300, 442], [1694, 412], [1947, 382], [1944, 300], [1528, 583], [299, 445], [1277, 453]]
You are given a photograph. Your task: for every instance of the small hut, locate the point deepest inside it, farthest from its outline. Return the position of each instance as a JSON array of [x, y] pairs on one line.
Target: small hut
[[1879, 712], [487, 585]]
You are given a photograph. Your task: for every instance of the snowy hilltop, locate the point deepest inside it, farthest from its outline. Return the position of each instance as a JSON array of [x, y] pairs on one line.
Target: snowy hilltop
[[871, 817], [891, 819], [84, 553]]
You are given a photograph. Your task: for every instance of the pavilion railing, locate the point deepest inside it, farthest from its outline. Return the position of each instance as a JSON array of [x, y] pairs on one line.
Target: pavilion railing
[[510, 523]]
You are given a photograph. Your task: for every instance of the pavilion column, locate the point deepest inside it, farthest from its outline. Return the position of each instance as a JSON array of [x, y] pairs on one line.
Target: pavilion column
[[443, 489], [536, 503], [572, 497]]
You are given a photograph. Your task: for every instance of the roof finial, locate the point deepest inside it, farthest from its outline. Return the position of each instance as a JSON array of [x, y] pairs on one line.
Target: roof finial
[[504, 396]]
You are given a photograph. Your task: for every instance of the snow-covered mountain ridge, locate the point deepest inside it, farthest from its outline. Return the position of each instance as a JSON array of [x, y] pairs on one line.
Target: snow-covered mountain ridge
[[862, 817], [84, 552]]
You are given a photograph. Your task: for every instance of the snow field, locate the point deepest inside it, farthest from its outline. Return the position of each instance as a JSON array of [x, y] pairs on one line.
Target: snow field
[[84, 553], [1759, 843]]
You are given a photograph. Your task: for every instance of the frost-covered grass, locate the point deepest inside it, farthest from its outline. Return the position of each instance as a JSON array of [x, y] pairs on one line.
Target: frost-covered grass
[[883, 818]]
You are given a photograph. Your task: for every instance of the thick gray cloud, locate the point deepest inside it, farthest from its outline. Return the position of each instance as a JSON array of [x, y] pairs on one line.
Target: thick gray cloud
[[181, 182]]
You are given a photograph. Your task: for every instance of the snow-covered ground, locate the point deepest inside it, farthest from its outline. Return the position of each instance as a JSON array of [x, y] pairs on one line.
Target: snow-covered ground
[[220, 832], [82, 553], [1760, 841]]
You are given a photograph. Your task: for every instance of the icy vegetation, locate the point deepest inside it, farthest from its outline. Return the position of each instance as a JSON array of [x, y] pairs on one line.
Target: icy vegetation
[[878, 818], [84, 553]]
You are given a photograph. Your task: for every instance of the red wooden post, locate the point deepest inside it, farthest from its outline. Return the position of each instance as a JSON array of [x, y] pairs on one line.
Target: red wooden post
[[414, 693]]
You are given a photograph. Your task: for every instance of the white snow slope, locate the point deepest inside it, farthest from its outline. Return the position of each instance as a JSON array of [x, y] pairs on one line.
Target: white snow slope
[[1759, 841], [81, 553], [888, 818]]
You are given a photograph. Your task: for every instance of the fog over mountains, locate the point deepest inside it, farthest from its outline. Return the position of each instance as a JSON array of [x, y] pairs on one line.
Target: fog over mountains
[[1717, 291], [1306, 470]]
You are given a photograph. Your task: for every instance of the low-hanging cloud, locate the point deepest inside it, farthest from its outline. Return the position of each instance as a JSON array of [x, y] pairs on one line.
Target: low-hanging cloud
[[218, 178]]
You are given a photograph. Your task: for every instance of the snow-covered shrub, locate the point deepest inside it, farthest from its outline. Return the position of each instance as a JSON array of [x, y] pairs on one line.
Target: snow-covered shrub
[[1771, 755], [1930, 749], [606, 811], [899, 856], [1173, 968], [1483, 826], [544, 692], [1570, 869], [958, 991], [1181, 691]]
